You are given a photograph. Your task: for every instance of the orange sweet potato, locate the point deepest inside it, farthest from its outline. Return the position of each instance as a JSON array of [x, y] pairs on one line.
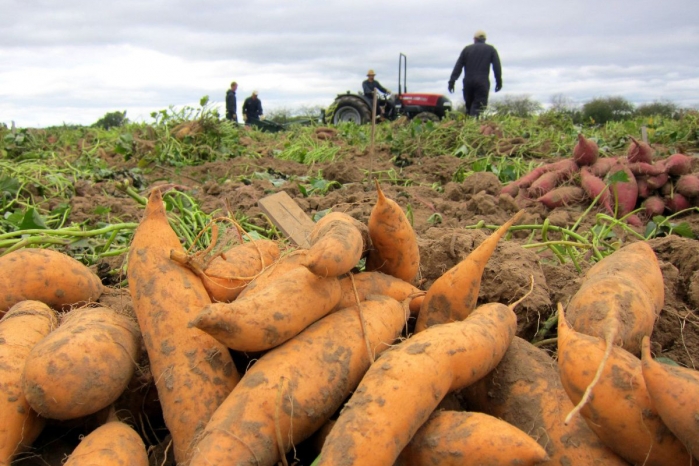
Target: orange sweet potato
[[619, 300], [193, 372], [226, 275], [337, 244], [405, 384], [619, 409], [84, 365], [368, 283], [292, 390], [271, 316], [454, 295], [287, 262], [394, 243], [113, 443], [51, 277], [674, 392], [458, 438], [22, 327], [525, 390]]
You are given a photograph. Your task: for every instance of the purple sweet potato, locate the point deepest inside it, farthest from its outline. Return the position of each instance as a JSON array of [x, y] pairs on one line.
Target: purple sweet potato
[[642, 168], [654, 205], [593, 186], [625, 193], [563, 196], [677, 202], [678, 164], [602, 166], [639, 151], [688, 186], [658, 181], [551, 179], [532, 176], [643, 188], [585, 151]]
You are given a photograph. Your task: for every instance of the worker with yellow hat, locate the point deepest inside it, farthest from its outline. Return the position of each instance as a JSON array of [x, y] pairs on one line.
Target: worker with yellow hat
[[369, 85], [475, 60]]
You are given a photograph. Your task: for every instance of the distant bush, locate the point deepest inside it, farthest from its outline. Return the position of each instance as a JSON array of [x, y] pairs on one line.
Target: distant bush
[[601, 110], [666, 109], [516, 105], [111, 120]]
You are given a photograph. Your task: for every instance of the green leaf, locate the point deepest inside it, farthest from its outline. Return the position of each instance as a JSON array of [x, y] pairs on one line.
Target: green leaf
[[684, 230], [101, 210], [9, 185], [32, 220], [618, 177]]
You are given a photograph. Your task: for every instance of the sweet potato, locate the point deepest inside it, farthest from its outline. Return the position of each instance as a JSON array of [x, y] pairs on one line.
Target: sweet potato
[[193, 372], [619, 300], [525, 390], [654, 205], [619, 411], [585, 151], [594, 186], [406, 383], [226, 275], [677, 202], [644, 190], [688, 186], [271, 316], [658, 181], [286, 263], [642, 168], [454, 295], [563, 196], [51, 277], [639, 151], [368, 283], [457, 438], [337, 245], [83, 366], [113, 443], [22, 327], [394, 243], [678, 164], [548, 181], [674, 392], [292, 390], [623, 291], [602, 166], [624, 193]]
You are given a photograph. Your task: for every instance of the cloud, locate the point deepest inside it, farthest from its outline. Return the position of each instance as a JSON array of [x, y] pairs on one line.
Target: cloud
[[71, 61]]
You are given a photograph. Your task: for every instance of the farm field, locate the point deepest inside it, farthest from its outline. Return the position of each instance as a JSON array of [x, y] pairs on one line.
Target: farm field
[[82, 192]]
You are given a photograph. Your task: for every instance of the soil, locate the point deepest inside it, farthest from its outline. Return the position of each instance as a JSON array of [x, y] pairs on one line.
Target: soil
[[444, 214]]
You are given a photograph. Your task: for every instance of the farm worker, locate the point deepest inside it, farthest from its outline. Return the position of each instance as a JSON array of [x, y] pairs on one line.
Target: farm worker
[[476, 60], [252, 108], [370, 84], [231, 103]]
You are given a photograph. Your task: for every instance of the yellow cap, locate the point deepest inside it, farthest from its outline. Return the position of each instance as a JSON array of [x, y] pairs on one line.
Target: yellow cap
[[370, 73], [480, 34]]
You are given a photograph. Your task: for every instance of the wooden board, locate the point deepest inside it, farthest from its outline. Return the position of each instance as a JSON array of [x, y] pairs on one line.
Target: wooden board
[[286, 215]]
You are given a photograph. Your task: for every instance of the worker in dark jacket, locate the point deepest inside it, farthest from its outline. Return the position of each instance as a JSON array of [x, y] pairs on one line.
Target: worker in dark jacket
[[232, 103], [368, 87], [476, 60], [252, 108]]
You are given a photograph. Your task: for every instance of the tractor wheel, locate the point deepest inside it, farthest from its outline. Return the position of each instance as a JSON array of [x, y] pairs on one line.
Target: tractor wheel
[[425, 117], [351, 109]]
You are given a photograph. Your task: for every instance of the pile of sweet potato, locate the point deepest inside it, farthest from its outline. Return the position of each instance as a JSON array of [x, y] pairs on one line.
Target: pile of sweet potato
[[364, 365], [621, 185]]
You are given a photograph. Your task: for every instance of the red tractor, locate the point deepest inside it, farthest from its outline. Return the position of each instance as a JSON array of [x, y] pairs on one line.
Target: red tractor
[[356, 108]]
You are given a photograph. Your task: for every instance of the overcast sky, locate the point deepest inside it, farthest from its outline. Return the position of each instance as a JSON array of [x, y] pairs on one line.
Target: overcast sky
[[72, 61]]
